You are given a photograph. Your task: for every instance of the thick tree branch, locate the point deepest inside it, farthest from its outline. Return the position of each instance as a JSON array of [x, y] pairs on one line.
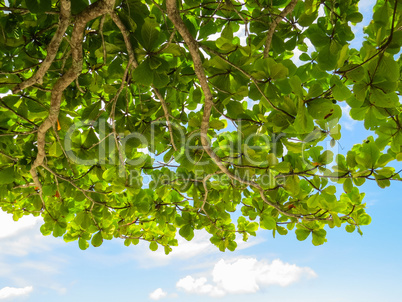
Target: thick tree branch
[[193, 47], [64, 22], [91, 12], [288, 9]]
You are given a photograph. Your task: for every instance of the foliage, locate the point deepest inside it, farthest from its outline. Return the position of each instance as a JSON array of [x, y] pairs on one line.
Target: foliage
[[205, 102]]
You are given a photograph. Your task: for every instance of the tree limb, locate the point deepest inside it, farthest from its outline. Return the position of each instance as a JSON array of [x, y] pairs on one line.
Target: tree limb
[[64, 22], [193, 47], [288, 9], [91, 12]]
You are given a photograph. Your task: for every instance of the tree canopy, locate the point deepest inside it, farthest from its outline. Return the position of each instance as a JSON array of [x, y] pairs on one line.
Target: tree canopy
[[141, 119]]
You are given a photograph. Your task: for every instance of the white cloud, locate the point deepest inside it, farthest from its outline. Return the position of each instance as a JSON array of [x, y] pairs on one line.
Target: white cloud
[[9, 227], [245, 275], [347, 120], [199, 286], [26, 243], [157, 294], [297, 53], [8, 292]]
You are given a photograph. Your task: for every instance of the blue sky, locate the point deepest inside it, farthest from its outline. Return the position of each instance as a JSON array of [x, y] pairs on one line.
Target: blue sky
[[346, 268]]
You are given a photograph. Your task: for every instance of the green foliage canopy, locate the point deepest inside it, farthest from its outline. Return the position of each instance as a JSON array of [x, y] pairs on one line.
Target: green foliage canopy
[[136, 119]]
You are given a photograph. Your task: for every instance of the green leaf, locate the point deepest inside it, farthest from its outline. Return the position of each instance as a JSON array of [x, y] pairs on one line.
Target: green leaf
[[149, 33], [97, 239], [369, 154], [348, 185], [143, 74], [292, 184], [268, 222], [55, 150], [78, 6], [7, 175], [355, 17], [364, 219], [326, 58], [383, 100], [350, 228], [319, 237], [115, 68], [320, 109], [339, 90], [234, 109], [160, 80], [303, 122], [217, 124], [187, 232], [39, 6], [83, 244], [278, 71], [91, 112], [153, 246], [302, 234]]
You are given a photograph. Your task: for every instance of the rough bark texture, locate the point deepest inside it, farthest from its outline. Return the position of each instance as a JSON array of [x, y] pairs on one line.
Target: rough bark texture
[[193, 47], [64, 22], [91, 12]]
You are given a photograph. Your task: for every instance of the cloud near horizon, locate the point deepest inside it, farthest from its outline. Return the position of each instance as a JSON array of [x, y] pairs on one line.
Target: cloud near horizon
[[9, 227], [245, 276], [8, 292], [157, 294]]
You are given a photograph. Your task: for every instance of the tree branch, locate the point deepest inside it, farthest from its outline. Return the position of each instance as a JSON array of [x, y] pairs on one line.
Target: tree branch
[[64, 22], [248, 76], [130, 51], [193, 47], [91, 12], [288, 9]]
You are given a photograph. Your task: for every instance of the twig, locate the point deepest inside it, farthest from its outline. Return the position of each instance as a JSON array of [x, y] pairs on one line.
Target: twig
[[102, 22], [8, 156], [166, 111]]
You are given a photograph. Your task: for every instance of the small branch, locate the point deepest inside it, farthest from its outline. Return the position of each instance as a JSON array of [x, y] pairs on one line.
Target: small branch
[[8, 156], [17, 114], [126, 35], [19, 133], [102, 22], [113, 113], [248, 76], [166, 111], [24, 11]]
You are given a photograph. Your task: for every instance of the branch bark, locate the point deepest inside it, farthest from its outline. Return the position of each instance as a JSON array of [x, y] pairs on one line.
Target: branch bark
[[64, 22], [287, 10], [130, 51], [193, 47], [93, 11]]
